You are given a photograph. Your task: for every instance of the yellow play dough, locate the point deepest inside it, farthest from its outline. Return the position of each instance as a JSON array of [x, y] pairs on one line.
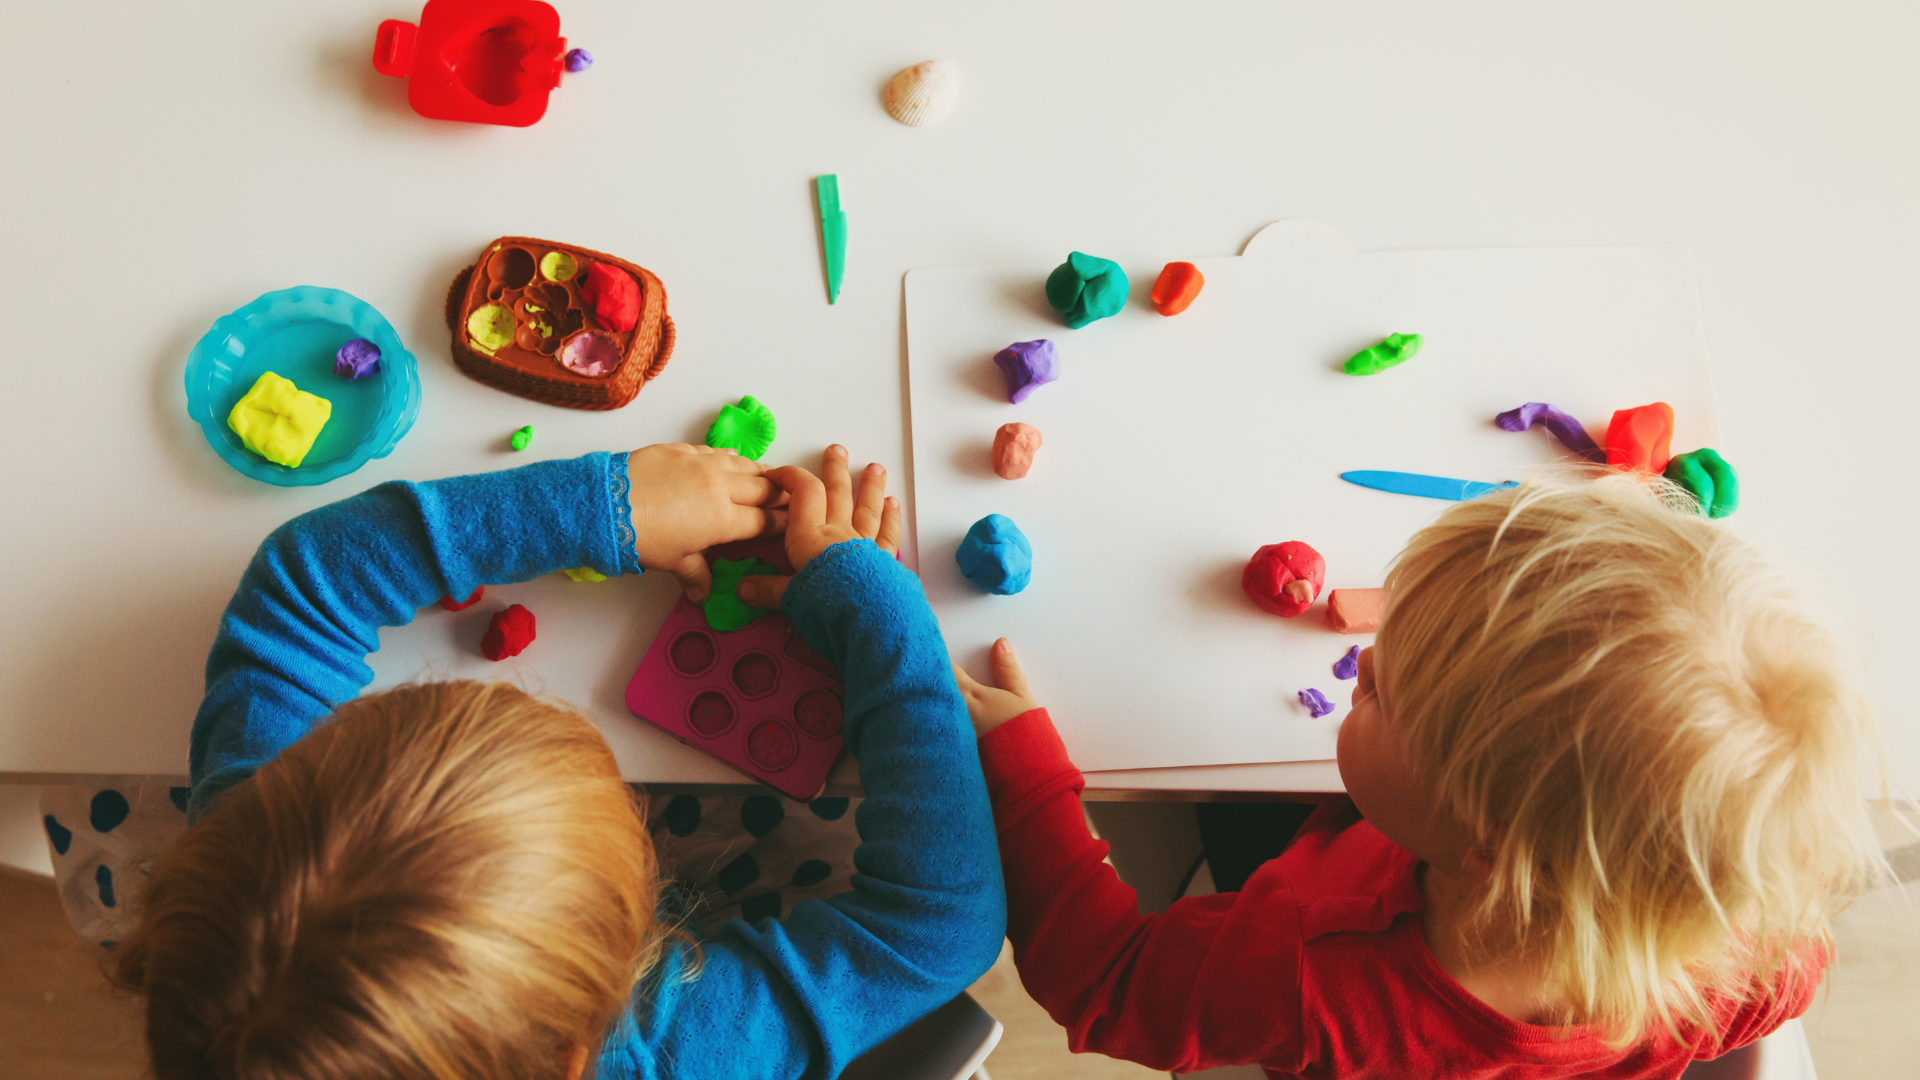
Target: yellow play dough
[[557, 266], [278, 420], [491, 328]]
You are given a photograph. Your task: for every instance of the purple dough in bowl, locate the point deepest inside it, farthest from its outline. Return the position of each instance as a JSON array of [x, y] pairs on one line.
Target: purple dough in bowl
[[590, 353]]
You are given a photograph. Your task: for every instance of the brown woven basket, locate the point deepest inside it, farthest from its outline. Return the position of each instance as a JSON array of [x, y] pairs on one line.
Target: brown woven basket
[[535, 372]]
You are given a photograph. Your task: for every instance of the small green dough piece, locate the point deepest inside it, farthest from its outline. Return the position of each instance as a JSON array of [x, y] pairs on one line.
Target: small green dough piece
[[747, 427], [1397, 349], [726, 612], [1086, 288], [522, 438], [1709, 479]]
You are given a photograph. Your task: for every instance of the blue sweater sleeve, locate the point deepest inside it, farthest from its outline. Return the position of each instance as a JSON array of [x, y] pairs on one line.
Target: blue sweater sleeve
[[293, 643], [927, 911]]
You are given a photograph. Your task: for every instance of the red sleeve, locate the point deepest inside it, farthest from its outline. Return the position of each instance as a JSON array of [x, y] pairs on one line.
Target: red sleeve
[[1205, 984]]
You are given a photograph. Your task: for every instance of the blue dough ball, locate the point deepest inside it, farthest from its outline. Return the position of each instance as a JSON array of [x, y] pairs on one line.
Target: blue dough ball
[[996, 555]]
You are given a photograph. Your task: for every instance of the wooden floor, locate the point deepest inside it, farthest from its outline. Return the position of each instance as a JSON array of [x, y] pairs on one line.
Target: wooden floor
[[58, 1018]]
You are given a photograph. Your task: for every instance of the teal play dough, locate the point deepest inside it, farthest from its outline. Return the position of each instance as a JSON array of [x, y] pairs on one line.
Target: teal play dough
[[1085, 288], [726, 612], [1709, 479], [996, 556], [1397, 349], [747, 427]]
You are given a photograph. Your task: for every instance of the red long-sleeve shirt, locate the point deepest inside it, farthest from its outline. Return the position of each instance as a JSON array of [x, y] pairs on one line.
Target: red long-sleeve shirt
[[1317, 968]]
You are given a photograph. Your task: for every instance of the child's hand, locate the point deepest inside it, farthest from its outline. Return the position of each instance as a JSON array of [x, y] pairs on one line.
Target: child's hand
[[686, 499], [991, 706], [823, 512]]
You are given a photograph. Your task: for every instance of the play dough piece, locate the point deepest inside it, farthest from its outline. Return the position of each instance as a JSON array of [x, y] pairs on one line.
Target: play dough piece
[[1397, 349], [278, 420], [1284, 578], [578, 60], [747, 427], [584, 574], [726, 612], [614, 296], [1348, 666], [1316, 702], [451, 604], [1639, 439], [1175, 288], [1013, 449], [558, 266], [522, 438], [996, 556], [1355, 611], [510, 632], [1707, 476], [592, 353], [357, 359], [1569, 431], [491, 328], [1085, 289], [1027, 364]]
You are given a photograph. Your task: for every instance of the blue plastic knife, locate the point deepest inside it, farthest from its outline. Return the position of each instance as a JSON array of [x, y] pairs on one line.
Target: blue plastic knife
[[1428, 487]]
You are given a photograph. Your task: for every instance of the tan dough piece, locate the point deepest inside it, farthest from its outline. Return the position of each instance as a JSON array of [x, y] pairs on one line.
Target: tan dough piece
[[1355, 611], [1013, 449]]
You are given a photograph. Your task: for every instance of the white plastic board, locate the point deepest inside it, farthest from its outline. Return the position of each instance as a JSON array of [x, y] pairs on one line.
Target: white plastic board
[[1176, 446]]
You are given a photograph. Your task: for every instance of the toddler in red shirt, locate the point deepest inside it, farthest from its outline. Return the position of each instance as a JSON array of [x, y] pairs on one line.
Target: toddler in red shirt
[[1603, 802]]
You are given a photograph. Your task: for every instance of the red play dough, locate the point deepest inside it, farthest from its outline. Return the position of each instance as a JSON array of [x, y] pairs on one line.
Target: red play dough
[[1178, 284], [1641, 439], [449, 603], [614, 296], [1284, 578], [509, 633]]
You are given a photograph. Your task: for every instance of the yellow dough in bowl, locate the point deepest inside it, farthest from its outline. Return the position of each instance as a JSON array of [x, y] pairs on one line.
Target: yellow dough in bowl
[[278, 420]]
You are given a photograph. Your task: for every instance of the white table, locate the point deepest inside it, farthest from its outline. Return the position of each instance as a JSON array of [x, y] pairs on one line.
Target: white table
[[165, 164]]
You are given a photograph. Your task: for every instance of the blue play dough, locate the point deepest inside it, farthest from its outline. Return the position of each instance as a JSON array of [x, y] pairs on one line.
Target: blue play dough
[[61, 836], [103, 877], [108, 809], [996, 555]]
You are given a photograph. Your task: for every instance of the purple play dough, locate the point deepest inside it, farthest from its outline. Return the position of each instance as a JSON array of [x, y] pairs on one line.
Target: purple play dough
[[1564, 427], [1027, 364], [1348, 666], [357, 359], [578, 60], [1316, 702]]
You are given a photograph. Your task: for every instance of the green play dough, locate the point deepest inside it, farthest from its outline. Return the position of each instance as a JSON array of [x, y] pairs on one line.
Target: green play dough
[[491, 327], [1711, 481], [1396, 350], [1086, 288], [747, 427], [522, 438], [726, 612]]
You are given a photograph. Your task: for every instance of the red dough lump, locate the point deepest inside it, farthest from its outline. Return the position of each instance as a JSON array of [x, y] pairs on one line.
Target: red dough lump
[[1284, 578], [614, 296], [1641, 439], [509, 633], [450, 604], [1178, 284]]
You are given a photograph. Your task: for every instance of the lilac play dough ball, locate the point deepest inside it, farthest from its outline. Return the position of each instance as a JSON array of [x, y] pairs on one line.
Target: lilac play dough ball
[[1027, 364], [578, 60], [357, 359]]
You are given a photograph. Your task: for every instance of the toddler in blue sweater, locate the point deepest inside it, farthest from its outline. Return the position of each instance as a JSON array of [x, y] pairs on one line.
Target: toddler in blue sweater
[[451, 880]]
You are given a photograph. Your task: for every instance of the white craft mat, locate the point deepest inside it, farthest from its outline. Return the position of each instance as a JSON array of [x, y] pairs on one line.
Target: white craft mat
[[1176, 446]]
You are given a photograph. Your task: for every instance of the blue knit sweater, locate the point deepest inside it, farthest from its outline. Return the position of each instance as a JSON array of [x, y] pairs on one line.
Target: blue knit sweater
[[799, 997]]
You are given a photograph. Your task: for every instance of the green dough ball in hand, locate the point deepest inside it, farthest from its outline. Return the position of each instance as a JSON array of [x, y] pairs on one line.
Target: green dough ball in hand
[[1709, 479], [1085, 288], [726, 612], [747, 427]]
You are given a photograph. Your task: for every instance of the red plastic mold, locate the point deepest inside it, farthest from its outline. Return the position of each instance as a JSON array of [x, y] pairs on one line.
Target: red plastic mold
[[481, 61], [758, 698]]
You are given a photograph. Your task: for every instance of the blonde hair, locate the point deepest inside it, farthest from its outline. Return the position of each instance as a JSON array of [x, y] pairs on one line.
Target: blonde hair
[[1655, 736], [446, 880]]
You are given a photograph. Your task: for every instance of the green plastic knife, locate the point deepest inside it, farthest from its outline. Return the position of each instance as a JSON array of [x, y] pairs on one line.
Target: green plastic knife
[[833, 231]]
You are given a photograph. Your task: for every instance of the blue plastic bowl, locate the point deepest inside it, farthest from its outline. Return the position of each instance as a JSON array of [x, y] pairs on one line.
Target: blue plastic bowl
[[294, 334]]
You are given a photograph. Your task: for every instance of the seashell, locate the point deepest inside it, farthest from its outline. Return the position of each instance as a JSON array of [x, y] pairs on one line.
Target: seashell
[[922, 94]]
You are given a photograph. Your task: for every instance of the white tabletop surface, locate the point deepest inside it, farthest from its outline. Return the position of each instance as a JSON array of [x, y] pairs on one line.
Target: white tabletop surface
[[164, 164]]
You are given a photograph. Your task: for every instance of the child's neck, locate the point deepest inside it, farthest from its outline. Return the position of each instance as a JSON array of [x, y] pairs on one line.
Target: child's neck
[[1510, 986]]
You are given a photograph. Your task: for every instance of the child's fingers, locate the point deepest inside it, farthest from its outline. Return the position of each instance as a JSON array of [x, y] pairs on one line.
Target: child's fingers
[[744, 522], [1006, 670], [888, 538], [763, 590], [807, 496], [866, 508], [838, 485], [751, 489], [694, 576], [968, 688]]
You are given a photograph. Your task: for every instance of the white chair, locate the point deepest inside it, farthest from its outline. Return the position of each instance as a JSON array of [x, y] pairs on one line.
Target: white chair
[[949, 1043]]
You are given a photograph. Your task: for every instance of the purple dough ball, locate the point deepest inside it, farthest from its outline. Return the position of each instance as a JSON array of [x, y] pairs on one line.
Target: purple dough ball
[[1027, 364], [357, 359], [578, 60]]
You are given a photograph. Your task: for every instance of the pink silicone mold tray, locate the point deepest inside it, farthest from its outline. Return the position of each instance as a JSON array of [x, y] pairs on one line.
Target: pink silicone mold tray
[[757, 698]]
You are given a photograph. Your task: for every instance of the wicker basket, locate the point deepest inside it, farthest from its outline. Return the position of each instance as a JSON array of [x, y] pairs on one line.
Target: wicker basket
[[535, 372]]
